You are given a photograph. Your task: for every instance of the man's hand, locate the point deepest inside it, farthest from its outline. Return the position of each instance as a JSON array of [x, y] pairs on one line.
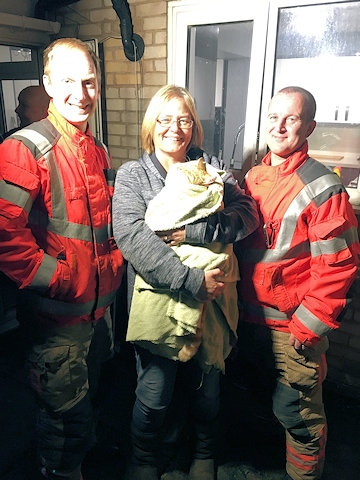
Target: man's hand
[[297, 344]]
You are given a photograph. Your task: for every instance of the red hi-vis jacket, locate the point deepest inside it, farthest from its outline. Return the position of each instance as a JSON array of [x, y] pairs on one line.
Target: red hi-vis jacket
[[56, 239], [298, 266]]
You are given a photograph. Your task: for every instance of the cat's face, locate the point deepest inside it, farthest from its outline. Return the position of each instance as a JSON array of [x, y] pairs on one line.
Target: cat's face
[[195, 172]]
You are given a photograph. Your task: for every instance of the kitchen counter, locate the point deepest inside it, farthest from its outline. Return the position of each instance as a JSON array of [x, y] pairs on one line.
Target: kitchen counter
[[341, 159]]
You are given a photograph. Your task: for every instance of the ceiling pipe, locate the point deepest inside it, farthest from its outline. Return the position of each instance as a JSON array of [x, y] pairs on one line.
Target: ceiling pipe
[[133, 44]]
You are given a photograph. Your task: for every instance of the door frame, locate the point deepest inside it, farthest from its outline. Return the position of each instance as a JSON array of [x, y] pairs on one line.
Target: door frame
[[185, 13]]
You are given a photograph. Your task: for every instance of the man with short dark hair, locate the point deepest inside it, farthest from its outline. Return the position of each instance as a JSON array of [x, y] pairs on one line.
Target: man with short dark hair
[[296, 270]]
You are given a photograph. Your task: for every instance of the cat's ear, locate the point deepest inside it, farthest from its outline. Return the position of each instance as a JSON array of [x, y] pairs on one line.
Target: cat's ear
[[201, 164]]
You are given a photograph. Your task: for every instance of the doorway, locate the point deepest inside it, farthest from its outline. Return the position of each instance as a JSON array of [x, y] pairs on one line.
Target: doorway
[[20, 67], [217, 76], [217, 52]]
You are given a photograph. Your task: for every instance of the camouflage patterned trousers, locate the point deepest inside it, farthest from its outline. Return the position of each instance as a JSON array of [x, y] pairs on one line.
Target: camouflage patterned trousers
[[60, 364]]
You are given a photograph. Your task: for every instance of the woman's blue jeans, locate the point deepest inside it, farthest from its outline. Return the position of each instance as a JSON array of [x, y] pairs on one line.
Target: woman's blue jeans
[[156, 380]]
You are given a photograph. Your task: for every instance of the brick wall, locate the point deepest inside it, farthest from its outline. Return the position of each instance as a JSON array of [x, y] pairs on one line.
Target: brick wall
[[128, 85], [344, 352], [128, 88]]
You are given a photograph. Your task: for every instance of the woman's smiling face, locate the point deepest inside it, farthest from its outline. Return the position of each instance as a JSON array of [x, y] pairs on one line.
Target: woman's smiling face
[[172, 141]]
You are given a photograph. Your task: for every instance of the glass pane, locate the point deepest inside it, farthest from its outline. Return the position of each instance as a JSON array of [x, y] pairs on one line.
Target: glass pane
[[318, 48], [11, 90], [14, 54], [218, 77]]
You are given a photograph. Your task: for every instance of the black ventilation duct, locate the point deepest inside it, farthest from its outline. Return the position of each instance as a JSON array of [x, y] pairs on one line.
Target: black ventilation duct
[[133, 44]]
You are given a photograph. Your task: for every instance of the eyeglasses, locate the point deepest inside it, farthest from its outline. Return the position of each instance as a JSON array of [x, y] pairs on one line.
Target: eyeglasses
[[182, 122]]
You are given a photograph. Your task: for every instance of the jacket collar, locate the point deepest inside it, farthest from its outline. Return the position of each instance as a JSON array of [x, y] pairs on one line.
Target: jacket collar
[[293, 162], [66, 128]]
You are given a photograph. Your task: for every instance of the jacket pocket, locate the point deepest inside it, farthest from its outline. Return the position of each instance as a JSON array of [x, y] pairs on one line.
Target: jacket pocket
[[61, 286], [332, 230], [285, 300]]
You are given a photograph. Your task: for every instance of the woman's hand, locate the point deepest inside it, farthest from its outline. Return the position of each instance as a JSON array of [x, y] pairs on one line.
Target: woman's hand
[[210, 287], [172, 237]]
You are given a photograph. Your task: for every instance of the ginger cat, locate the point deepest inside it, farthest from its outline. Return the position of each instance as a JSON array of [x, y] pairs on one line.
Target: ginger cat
[[195, 173]]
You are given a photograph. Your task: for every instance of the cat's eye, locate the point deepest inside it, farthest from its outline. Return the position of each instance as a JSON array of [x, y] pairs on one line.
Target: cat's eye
[[182, 122]]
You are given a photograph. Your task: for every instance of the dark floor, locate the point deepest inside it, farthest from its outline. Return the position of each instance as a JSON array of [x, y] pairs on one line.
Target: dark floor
[[251, 443]]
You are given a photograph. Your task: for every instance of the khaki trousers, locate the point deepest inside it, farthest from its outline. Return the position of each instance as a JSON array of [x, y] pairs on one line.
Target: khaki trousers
[[295, 382]]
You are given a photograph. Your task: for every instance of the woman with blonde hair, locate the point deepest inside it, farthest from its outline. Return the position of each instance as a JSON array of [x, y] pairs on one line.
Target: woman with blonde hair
[[171, 128]]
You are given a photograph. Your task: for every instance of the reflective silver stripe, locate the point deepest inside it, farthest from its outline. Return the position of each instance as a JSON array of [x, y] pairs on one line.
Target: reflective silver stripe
[[34, 139], [59, 223], [305, 316], [15, 195], [311, 322], [57, 188], [282, 250], [45, 272], [57, 307], [40, 138], [275, 255], [69, 229], [299, 203], [265, 312], [334, 245]]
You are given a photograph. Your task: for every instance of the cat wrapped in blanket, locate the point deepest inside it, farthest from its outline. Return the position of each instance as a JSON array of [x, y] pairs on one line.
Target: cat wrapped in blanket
[[173, 323], [193, 172]]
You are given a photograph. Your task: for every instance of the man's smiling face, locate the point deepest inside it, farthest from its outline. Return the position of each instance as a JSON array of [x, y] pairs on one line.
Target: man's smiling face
[[73, 85], [287, 125]]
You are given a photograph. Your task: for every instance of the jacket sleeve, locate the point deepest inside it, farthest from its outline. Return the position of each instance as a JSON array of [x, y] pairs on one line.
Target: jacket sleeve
[[21, 258], [156, 261], [334, 264], [237, 220]]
